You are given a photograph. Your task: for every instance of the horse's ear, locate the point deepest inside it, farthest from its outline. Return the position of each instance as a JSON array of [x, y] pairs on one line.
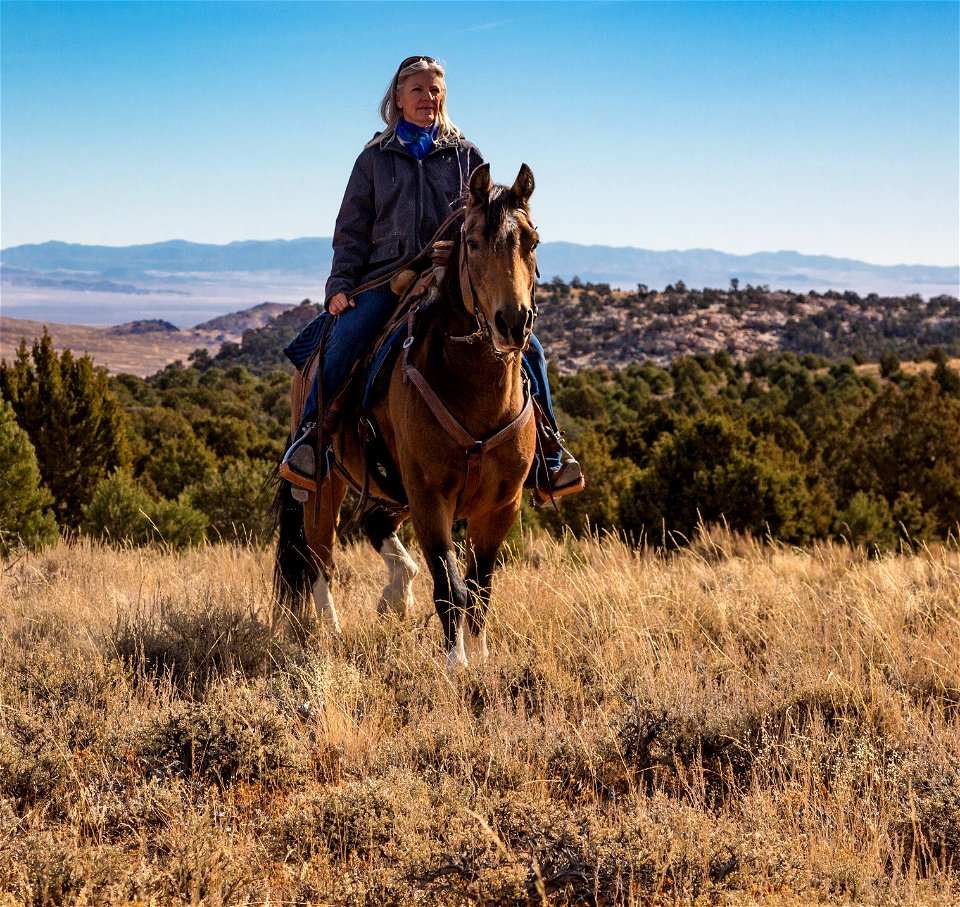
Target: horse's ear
[[523, 185], [480, 185]]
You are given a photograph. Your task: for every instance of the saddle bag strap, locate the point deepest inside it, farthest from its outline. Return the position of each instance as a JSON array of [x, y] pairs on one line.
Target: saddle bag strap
[[408, 342]]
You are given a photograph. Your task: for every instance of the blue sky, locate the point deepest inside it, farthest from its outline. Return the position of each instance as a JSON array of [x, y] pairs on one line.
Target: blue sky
[[828, 128]]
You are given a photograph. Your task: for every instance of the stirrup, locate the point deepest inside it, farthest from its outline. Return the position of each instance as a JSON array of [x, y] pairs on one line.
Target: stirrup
[[566, 479], [299, 464]]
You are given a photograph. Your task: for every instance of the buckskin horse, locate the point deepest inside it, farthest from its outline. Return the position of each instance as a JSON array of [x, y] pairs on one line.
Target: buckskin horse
[[456, 420]]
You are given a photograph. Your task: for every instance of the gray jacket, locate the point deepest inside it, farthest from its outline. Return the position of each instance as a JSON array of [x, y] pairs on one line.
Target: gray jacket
[[393, 205]]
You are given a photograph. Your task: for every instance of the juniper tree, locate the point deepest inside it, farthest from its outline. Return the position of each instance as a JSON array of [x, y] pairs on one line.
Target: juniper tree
[[906, 443], [72, 418], [25, 515], [713, 469]]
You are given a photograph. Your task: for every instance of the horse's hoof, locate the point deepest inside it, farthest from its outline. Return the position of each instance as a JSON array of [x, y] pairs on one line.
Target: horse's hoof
[[456, 661]]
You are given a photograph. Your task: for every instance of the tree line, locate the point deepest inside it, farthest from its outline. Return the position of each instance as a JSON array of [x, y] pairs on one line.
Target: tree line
[[182, 456], [794, 447]]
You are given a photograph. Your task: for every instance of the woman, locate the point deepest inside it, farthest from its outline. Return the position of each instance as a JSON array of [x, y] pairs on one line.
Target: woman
[[405, 184]]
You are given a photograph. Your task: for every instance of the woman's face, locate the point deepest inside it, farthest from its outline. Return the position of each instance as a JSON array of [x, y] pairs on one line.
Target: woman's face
[[418, 98]]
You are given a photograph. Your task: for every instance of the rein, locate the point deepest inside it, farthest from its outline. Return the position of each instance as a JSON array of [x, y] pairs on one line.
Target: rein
[[408, 265]]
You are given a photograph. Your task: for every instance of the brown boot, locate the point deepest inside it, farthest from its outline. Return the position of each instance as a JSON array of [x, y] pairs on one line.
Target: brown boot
[[566, 479]]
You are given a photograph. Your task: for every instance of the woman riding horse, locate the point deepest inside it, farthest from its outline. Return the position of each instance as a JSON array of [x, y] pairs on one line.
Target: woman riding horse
[[454, 421], [405, 183]]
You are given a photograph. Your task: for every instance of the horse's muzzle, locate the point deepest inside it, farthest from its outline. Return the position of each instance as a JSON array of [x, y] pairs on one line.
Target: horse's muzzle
[[512, 327]]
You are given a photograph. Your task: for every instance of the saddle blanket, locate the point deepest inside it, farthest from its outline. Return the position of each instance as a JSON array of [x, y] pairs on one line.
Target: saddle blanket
[[301, 348]]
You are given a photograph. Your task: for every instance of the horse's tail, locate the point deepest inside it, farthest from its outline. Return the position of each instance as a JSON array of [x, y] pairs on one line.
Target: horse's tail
[[293, 570]]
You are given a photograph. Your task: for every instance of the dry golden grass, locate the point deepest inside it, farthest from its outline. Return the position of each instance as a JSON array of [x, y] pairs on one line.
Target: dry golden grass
[[736, 724]]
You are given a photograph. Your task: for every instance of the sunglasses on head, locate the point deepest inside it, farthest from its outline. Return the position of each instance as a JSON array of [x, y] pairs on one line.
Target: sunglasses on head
[[411, 60]]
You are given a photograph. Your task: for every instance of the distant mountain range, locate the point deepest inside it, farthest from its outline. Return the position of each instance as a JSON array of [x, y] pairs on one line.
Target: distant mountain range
[[161, 267], [175, 257]]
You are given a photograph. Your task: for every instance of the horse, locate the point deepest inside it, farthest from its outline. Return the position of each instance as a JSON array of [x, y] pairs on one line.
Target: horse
[[456, 420]]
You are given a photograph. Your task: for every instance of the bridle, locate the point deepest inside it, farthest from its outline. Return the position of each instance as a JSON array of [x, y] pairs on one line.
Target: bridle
[[483, 331]]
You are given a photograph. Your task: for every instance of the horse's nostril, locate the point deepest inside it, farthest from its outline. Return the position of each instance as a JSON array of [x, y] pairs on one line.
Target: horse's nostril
[[513, 326]]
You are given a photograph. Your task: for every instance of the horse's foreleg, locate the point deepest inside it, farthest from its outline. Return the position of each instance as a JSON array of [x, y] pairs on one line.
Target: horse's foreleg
[[380, 527], [433, 523], [479, 572], [451, 599], [486, 534], [320, 525]]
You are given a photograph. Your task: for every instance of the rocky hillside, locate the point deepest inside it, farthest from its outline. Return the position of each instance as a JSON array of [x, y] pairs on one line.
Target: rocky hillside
[[589, 325], [235, 323], [581, 326], [145, 346]]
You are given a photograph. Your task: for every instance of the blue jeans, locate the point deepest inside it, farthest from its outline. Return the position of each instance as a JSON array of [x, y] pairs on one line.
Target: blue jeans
[[348, 336], [536, 365], [352, 332]]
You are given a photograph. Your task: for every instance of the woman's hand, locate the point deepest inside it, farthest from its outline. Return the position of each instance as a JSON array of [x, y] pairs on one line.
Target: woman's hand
[[339, 304]]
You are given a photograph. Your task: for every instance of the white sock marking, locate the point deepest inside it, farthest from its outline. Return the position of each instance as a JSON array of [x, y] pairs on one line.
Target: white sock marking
[[476, 645], [457, 656], [323, 601], [398, 592]]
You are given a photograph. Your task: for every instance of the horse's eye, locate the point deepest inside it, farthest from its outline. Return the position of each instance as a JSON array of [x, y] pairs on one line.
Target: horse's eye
[[473, 245]]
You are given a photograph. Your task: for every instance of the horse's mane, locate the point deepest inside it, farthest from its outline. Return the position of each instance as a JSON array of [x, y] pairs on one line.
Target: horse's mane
[[501, 205]]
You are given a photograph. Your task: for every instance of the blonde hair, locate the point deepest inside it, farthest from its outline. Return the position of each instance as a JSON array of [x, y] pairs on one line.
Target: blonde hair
[[389, 113]]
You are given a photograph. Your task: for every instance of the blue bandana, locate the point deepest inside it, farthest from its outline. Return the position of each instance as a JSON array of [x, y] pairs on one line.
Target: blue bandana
[[416, 139]]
